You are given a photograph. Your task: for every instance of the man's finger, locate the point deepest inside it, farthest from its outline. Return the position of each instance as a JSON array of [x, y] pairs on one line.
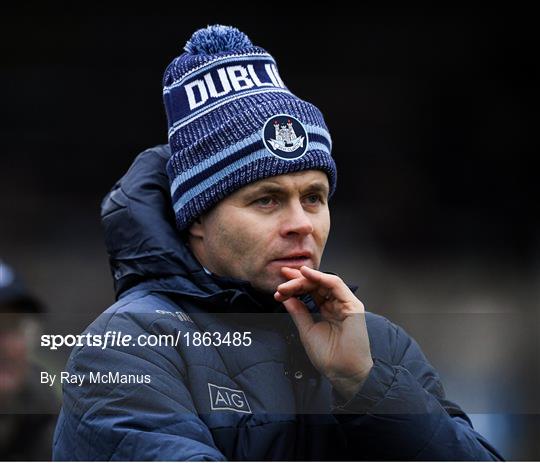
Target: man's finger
[[293, 287], [337, 287], [291, 272], [298, 284]]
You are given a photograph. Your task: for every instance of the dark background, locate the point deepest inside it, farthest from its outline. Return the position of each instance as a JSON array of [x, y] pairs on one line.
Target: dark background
[[432, 114]]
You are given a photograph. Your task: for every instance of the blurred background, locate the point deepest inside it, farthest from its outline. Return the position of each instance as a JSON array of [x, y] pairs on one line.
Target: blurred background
[[432, 115]]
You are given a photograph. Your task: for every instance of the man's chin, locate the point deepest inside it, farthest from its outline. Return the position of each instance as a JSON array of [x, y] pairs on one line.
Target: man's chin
[[270, 284]]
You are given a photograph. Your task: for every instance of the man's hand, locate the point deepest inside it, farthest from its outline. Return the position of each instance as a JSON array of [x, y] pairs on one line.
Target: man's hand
[[338, 346]]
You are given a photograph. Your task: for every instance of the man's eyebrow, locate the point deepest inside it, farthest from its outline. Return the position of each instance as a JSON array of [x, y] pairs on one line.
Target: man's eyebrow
[[318, 187], [272, 188], [265, 189]]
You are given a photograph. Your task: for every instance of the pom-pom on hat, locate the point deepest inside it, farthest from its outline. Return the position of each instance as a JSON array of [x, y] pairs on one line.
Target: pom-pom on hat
[[232, 121]]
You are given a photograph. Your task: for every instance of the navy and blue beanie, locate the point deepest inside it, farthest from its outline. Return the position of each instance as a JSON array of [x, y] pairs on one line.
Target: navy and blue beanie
[[232, 121]]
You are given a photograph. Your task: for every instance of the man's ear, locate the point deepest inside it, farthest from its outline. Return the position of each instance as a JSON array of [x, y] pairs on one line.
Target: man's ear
[[196, 229]]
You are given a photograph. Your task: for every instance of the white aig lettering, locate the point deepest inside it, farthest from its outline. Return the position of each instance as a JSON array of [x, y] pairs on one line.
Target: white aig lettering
[[224, 398]]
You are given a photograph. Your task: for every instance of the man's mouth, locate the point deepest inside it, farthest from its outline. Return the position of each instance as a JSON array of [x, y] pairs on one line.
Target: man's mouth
[[293, 260]]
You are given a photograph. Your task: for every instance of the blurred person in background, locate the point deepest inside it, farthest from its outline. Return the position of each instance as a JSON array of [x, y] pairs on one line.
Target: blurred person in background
[[25, 431]]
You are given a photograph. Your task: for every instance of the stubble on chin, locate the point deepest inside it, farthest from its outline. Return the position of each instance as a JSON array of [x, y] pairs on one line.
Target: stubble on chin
[[267, 283]]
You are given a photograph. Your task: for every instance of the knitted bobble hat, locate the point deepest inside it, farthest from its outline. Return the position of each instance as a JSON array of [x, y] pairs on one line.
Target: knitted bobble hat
[[232, 121]]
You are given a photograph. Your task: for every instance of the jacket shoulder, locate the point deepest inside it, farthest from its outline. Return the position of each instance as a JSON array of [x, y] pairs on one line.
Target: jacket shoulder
[[133, 401]]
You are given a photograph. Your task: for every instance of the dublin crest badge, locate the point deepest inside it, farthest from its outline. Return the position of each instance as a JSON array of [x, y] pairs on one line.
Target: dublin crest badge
[[285, 137]]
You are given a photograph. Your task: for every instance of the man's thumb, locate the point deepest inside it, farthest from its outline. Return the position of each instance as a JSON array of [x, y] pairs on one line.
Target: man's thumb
[[300, 314]]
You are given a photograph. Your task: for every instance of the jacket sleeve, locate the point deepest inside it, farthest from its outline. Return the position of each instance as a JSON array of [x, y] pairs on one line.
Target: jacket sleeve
[[401, 412], [152, 419]]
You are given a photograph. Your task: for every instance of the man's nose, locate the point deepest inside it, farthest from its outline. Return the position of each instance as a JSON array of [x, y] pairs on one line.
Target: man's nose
[[297, 221]]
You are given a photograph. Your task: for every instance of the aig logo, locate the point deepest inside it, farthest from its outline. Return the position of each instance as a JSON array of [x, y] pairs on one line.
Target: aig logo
[[224, 398]]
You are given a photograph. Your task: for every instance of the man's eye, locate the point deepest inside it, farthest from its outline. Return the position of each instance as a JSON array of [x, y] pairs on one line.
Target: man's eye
[[313, 199], [266, 201]]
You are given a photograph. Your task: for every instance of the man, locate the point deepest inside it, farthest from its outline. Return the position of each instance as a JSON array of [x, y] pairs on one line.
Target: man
[[25, 408], [273, 359]]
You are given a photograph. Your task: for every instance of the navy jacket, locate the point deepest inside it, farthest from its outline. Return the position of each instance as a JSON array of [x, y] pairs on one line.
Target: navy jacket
[[264, 401]]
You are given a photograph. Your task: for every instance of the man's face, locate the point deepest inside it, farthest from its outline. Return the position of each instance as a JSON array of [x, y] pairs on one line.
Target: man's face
[[275, 222]]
